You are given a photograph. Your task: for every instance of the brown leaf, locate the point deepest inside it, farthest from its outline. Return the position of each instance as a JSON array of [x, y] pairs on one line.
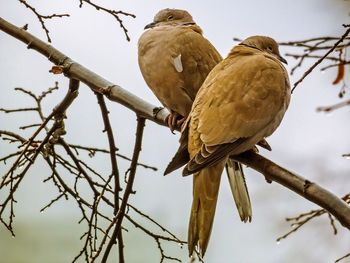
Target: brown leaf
[[340, 75], [56, 70]]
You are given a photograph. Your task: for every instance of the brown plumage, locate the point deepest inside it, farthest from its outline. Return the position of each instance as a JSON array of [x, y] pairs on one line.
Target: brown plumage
[[242, 101], [175, 59]]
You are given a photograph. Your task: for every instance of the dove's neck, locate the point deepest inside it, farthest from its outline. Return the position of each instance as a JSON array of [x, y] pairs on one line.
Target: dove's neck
[[169, 26], [193, 26], [243, 49], [251, 46]]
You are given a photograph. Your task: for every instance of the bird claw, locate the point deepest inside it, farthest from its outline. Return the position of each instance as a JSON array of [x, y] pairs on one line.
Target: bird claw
[[174, 121]]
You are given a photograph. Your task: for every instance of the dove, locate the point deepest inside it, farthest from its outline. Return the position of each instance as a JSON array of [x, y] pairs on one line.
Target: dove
[[174, 60], [241, 102]]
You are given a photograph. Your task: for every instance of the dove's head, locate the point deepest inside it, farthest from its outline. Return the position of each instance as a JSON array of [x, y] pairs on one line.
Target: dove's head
[[171, 17], [265, 44]]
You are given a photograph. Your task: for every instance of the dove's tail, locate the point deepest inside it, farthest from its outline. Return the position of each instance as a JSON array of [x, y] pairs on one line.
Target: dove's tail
[[239, 189], [206, 184]]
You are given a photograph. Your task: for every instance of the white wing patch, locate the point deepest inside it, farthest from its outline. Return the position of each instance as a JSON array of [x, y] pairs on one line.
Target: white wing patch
[[178, 64]]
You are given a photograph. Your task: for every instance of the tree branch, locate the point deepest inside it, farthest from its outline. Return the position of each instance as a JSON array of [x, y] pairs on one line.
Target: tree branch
[[91, 79], [42, 18], [334, 107], [119, 217], [69, 188], [347, 32], [115, 171], [114, 13], [309, 190]]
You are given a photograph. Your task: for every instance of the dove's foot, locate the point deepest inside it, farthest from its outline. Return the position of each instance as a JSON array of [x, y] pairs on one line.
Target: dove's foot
[[175, 121]]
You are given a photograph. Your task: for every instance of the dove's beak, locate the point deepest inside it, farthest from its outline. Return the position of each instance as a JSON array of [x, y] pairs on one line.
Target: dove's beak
[[150, 25], [282, 59]]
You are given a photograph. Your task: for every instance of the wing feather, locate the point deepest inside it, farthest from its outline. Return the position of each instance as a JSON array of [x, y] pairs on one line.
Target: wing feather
[[241, 102], [174, 62]]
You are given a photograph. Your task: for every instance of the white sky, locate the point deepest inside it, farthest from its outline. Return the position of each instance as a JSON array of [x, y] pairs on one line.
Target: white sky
[[307, 142]]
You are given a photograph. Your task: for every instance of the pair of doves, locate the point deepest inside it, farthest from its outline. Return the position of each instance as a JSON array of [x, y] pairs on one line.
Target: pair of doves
[[225, 107]]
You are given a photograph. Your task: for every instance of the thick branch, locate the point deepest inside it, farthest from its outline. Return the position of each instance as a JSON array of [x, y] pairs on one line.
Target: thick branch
[[311, 191], [91, 79], [307, 189]]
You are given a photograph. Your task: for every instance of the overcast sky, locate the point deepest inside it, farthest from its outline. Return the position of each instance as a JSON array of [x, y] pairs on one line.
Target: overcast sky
[[307, 142]]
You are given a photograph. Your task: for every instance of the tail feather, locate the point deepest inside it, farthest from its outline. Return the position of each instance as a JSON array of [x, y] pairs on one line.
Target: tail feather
[[182, 156], [205, 194], [239, 189]]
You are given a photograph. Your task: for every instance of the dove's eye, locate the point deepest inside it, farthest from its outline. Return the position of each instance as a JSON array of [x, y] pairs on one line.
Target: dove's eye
[[269, 48], [170, 17]]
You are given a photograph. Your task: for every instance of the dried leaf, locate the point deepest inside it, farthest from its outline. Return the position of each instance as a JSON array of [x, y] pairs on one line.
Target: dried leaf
[[56, 70], [340, 75]]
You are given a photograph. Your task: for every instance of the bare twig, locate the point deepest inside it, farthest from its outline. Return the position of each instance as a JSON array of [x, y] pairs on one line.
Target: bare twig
[[156, 223], [29, 126], [15, 137], [334, 107], [115, 171], [343, 257], [42, 18], [114, 13], [59, 110], [307, 72], [305, 41], [332, 222], [300, 220], [27, 161], [158, 239], [119, 217], [163, 255], [17, 110], [53, 201], [21, 176], [93, 150]]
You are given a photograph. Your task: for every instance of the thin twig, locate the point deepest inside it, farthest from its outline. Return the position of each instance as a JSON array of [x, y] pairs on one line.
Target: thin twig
[[114, 13], [17, 110], [42, 18], [307, 72], [93, 150], [334, 107], [115, 171], [128, 190], [22, 174], [298, 223], [343, 257]]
